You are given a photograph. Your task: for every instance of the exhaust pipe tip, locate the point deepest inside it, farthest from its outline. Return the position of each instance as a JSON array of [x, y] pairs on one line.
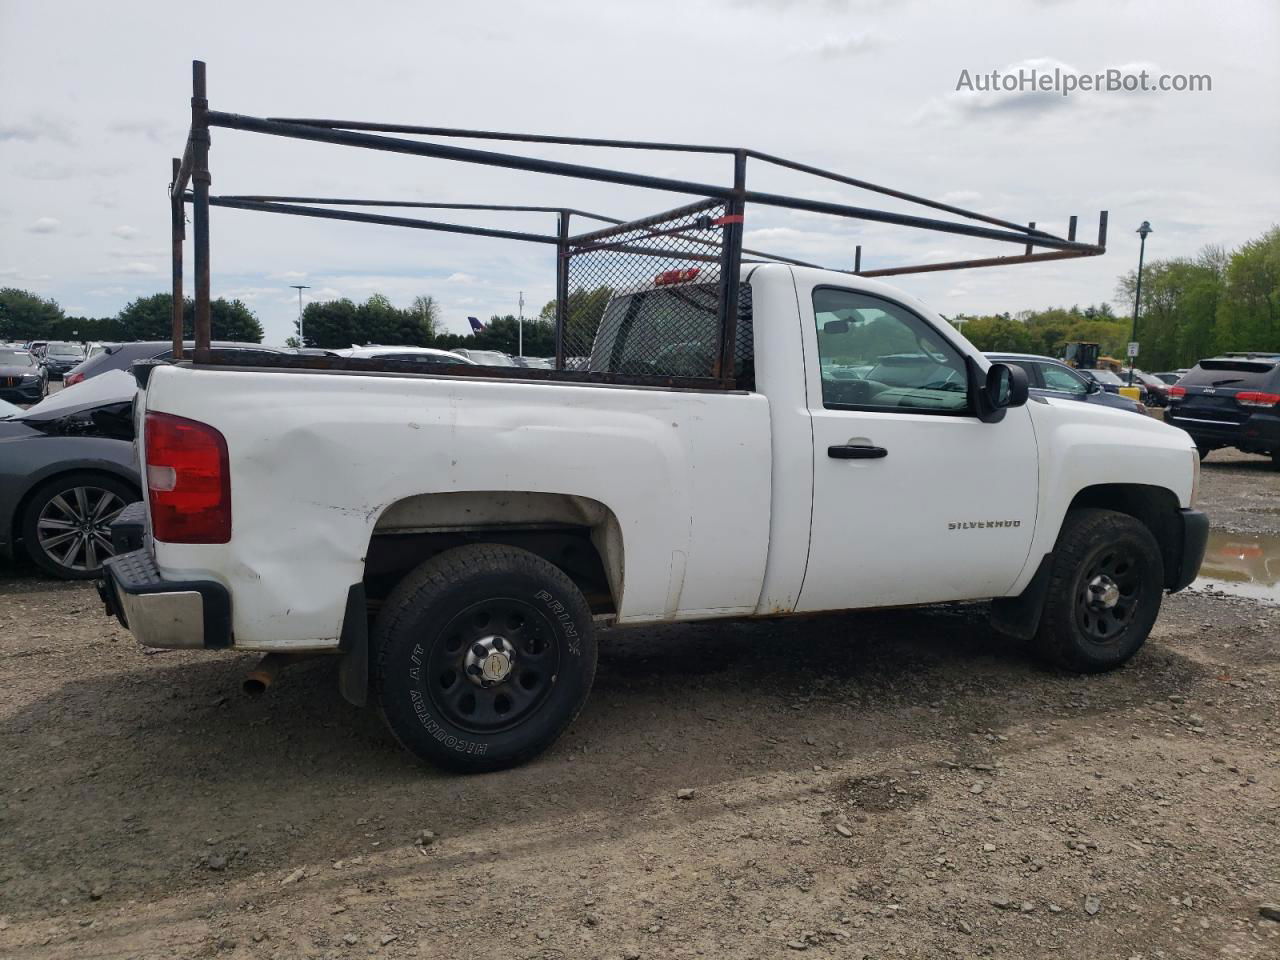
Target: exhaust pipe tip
[[263, 675], [257, 682]]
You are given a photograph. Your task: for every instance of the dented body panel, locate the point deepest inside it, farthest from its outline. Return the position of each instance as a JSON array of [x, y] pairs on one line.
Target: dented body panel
[[320, 461]]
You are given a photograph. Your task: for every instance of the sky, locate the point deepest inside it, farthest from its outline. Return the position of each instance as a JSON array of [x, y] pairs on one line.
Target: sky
[[94, 101]]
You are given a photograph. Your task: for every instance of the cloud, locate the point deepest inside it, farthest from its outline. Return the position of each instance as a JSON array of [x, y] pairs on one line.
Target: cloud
[[136, 254], [156, 131], [125, 232], [838, 48], [287, 275], [460, 278], [35, 129], [137, 267], [44, 225]]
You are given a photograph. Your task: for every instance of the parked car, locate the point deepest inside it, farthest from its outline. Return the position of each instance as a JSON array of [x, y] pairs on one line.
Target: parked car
[[1053, 378], [487, 358], [535, 363], [1230, 402], [1112, 382], [60, 356], [65, 473], [1157, 389], [120, 356], [502, 517], [417, 355], [1171, 376], [23, 378]]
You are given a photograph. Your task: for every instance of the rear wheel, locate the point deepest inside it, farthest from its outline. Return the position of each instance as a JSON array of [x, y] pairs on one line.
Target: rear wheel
[[484, 655], [66, 525], [1104, 592]]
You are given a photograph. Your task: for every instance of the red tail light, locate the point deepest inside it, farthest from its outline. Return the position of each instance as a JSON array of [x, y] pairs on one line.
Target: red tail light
[[71, 379], [1177, 393], [188, 481], [1255, 398]]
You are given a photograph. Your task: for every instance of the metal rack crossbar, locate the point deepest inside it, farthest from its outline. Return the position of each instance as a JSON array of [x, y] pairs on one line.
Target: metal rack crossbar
[[693, 300]]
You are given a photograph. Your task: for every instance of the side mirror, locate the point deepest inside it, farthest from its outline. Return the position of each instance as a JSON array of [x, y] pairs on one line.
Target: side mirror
[[1006, 386], [1003, 386]]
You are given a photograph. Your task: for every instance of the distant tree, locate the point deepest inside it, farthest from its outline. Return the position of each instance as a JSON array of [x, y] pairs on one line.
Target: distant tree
[[427, 312], [1249, 312], [997, 332], [25, 315], [150, 318], [331, 324]]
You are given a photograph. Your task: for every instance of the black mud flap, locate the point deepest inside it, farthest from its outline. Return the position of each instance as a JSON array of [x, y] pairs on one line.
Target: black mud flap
[[1019, 616], [353, 668]]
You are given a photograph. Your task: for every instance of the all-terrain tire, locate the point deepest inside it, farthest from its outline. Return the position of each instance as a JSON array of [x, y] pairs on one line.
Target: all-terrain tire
[[482, 657], [1098, 550]]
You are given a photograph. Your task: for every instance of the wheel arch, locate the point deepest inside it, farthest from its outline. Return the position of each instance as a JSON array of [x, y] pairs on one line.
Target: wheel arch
[[1157, 508], [580, 535]]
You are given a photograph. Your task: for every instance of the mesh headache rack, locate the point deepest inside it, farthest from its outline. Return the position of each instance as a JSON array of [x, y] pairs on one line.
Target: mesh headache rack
[[640, 302]]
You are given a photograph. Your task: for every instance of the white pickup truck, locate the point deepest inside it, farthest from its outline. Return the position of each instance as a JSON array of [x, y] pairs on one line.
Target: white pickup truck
[[457, 539]]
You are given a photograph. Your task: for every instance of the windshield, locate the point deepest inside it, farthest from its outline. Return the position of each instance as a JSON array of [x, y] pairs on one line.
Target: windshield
[[16, 358], [60, 349]]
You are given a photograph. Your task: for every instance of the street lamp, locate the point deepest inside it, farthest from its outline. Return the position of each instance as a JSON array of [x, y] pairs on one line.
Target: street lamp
[[1137, 296], [300, 287]]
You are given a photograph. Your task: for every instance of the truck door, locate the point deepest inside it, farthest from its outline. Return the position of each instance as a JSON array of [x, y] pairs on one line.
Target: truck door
[[915, 500]]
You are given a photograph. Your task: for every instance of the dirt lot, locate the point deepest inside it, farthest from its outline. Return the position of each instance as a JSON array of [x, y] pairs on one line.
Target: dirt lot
[[887, 785]]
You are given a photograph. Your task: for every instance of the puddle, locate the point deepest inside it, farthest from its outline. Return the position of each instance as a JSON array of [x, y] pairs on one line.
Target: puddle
[[1242, 565]]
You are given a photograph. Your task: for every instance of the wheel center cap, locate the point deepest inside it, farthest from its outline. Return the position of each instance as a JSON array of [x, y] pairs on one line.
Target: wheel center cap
[[489, 661], [1103, 592], [495, 667]]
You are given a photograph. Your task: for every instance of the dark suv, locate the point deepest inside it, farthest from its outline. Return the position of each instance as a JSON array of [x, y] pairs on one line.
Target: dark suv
[[1230, 402]]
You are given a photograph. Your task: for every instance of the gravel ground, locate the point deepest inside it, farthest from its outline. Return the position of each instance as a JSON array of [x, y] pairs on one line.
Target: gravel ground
[[895, 784]]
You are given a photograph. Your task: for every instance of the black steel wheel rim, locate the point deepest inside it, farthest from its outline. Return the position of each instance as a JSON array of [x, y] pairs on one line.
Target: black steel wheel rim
[[1117, 566], [504, 625], [74, 527]]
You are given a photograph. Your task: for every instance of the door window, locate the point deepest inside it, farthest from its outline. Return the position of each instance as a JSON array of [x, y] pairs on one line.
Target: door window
[[1063, 380], [878, 355]]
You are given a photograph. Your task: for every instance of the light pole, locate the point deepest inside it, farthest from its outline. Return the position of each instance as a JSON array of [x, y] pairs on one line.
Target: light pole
[[520, 335], [300, 287], [1137, 296]]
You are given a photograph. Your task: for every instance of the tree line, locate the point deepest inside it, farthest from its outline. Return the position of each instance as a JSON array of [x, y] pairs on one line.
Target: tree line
[[28, 316], [1192, 307]]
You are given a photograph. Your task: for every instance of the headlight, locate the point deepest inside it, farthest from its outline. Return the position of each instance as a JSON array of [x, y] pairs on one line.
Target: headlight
[[1195, 476], [31, 378]]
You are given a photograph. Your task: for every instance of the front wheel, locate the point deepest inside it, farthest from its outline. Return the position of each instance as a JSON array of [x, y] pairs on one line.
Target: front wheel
[[484, 656], [1104, 592]]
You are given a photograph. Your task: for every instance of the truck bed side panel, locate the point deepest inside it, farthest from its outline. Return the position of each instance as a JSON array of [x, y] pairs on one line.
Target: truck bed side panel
[[317, 458]]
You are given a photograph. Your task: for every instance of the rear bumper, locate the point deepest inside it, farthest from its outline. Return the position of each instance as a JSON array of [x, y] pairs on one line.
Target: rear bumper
[[1260, 433], [175, 614], [1195, 536]]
